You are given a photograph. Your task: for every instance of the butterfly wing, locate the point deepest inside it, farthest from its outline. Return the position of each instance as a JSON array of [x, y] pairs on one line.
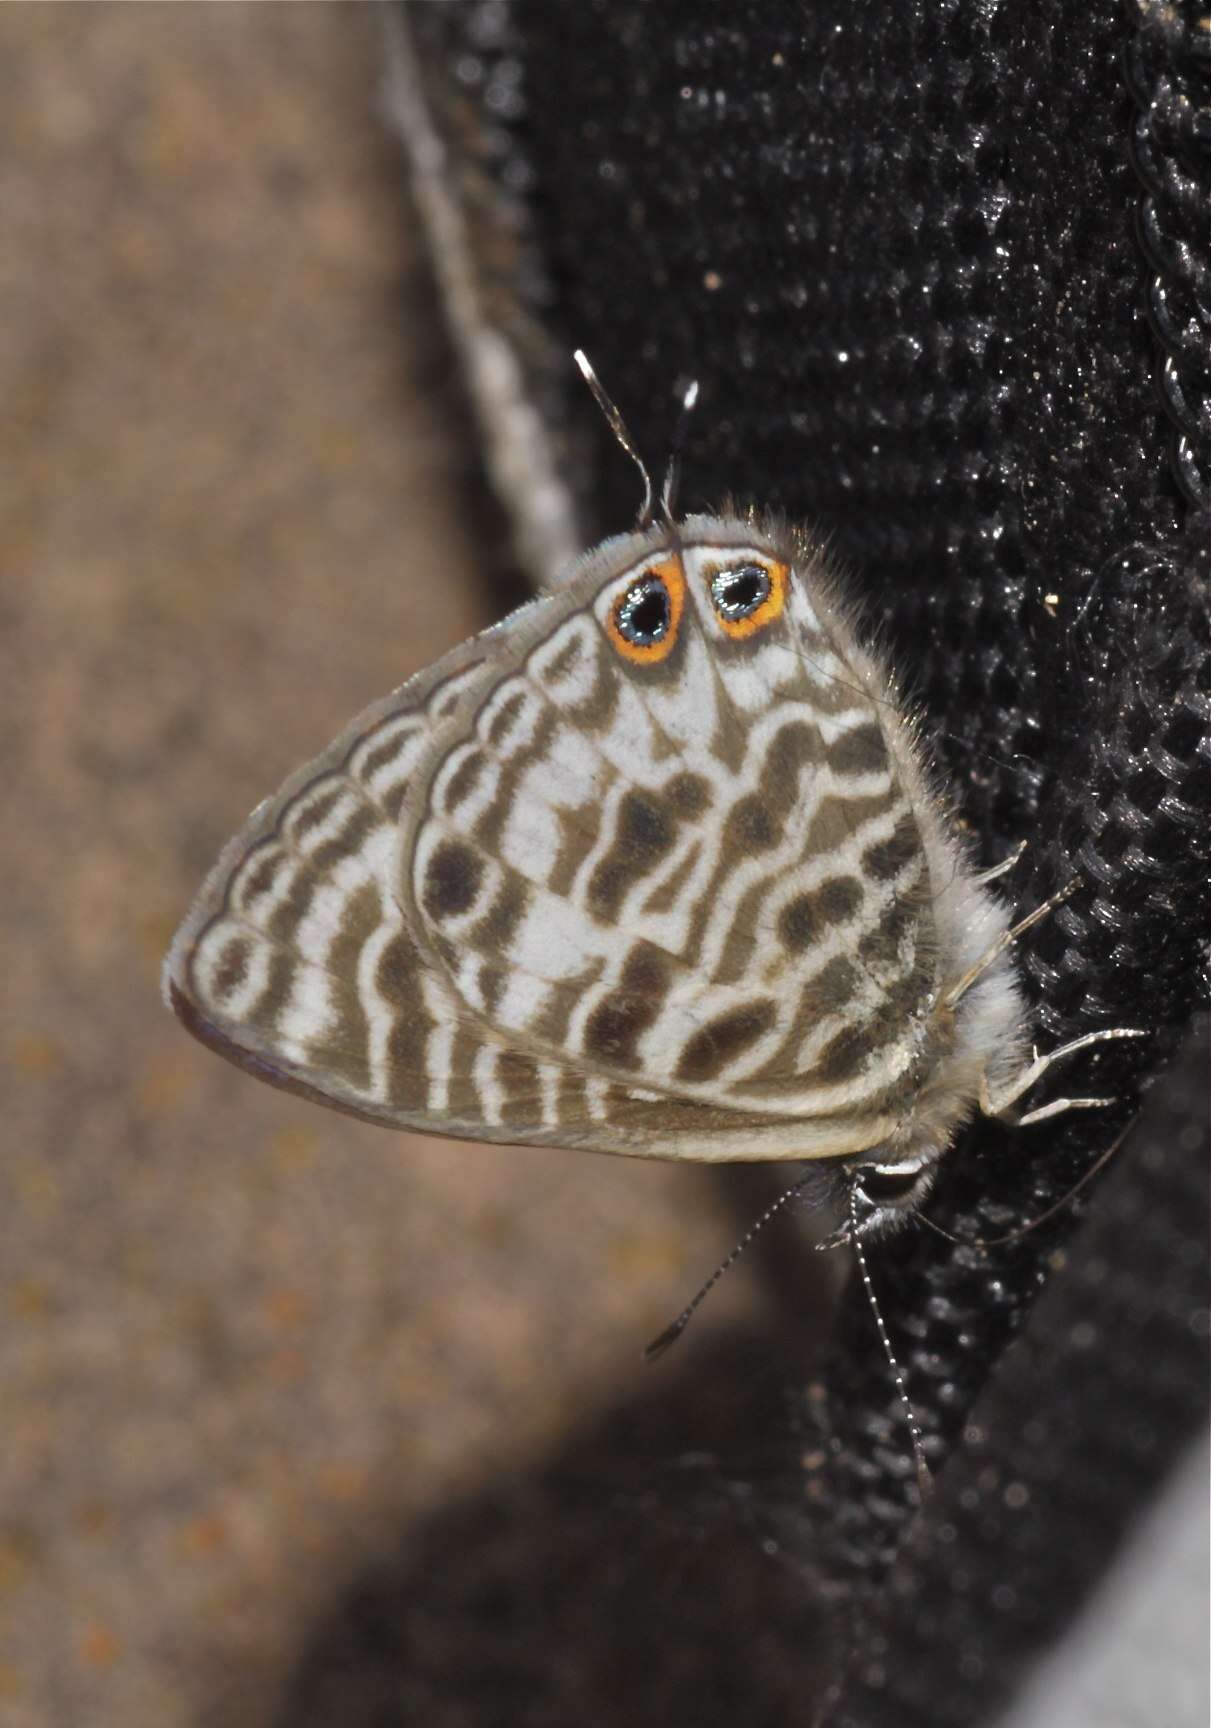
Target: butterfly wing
[[556, 891]]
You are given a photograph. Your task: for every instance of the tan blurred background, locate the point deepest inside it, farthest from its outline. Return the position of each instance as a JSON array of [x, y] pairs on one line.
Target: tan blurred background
[[243, 1344]]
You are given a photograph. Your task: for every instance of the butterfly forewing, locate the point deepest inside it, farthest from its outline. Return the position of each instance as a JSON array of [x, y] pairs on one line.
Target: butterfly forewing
[[271, 963], [635, 873]]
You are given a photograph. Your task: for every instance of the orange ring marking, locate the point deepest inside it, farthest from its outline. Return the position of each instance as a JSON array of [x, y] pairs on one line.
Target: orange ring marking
[[769, 609], [672, 575]]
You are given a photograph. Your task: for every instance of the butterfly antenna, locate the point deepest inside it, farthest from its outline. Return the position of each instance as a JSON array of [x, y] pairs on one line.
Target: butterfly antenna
[[670, 1335], [618, 427], [672, 474], [924, 1478]]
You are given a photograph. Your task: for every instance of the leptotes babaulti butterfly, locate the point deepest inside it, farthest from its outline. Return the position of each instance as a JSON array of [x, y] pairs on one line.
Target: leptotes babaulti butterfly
[[653, 867]]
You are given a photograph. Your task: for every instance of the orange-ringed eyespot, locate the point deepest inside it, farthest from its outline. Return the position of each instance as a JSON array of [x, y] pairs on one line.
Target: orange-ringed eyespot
[[740, 590], [644, 618], [645, 612]]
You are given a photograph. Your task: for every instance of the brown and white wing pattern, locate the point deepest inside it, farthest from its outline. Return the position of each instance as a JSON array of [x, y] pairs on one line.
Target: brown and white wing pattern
[[701, 873], [640, 871], [270, 965]]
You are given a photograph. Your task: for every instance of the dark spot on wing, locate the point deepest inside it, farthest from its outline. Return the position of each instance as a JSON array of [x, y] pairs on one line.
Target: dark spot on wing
[[842, 1058], [282, 969], [758, 820], [263, 875], [398, 979], [386, 752], [833, 989], [860, 751], [346, 844], [751, 826], [343, 1048], [806, 918], [452, 879], [518, 1078], [791, 748], [615, 1026], [643, 824], [302, 818], [232, 969], [720, 1041], [837, 817], [284, 920], [644, 834], [838, 899], [464, 779], [506, 717], [903, 1001], [883, 942], [499, 923], [689, 795], [886, 858]]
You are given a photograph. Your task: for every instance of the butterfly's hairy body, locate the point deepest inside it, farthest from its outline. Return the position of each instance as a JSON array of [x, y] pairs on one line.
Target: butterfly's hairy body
[[686, 897]]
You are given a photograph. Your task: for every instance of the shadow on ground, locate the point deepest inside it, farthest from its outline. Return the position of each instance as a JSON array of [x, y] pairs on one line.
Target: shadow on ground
[[623, 1581]]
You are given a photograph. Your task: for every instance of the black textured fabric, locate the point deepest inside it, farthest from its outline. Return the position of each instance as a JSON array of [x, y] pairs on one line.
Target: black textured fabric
[[943, 272], [1079, 1426], [1168, 61]]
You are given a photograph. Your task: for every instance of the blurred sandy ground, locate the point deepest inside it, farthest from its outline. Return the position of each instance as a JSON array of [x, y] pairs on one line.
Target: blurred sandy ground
[[242, 1343]]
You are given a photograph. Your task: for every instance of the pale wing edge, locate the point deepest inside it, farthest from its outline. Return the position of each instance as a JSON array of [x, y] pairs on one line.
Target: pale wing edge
[[773, 1139]]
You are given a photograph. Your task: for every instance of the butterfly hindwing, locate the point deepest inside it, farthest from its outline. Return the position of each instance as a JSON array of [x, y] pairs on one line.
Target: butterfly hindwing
[[703, 877], [662, 898]]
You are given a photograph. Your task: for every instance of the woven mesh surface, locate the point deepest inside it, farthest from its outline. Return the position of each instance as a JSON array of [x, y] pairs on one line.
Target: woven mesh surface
[[942, 271]]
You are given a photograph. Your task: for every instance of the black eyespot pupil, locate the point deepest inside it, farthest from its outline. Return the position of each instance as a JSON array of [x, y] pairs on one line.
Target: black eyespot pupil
[[885, 1187], [644, 615], [740, 591]]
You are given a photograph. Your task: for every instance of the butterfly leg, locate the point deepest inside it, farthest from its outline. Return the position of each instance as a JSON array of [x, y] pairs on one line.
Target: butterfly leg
[[1001, 1102], [1003, 868], [1007, 940]]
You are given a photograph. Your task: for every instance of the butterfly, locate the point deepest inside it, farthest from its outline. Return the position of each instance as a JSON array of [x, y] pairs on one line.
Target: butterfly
[[654, 867]]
